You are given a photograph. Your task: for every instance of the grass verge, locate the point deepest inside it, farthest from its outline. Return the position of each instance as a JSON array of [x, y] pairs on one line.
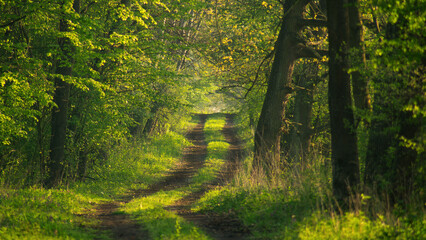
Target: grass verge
[[298, 204], [37, 213]]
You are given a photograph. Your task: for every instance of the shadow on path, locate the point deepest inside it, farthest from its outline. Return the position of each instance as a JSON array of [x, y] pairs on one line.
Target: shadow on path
[[217, 226]]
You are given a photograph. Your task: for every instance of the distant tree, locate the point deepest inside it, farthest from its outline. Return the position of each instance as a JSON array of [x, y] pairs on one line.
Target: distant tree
[[357, 58]]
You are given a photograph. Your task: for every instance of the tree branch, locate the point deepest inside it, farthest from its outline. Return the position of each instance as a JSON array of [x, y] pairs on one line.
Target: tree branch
[[313, 23], [306, 52], [257, 72], [13, 21]]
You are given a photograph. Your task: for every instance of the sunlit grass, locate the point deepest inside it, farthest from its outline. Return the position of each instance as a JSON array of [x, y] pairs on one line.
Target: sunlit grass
[[213, 127], [37, 213], [135, 165], [160, 223], [299, 205], [163, 224]]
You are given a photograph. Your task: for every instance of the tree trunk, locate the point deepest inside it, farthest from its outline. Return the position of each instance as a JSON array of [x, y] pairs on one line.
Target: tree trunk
[[359, 83], [301, 133], [271, 121], [150, 123], [60, 112], [344, 149]]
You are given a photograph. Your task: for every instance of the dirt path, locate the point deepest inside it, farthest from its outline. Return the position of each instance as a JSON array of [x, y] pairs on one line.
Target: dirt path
[[218, 227]]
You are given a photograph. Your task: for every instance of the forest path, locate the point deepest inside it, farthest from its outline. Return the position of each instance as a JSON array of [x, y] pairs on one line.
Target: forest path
[[217, 226]]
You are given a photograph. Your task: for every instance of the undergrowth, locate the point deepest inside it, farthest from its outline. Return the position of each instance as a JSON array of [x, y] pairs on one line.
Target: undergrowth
[[38, 213], [297, 204]]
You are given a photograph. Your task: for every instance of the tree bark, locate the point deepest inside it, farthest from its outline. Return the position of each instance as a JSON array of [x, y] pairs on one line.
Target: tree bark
[[288, 48], [60, 112], [346, 177], [301, 133]]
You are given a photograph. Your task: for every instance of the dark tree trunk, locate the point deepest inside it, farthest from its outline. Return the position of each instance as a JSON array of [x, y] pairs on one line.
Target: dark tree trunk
[[301, 133], [60, 112], [82, 164], [344, 149], [288, 48], [360, 83]]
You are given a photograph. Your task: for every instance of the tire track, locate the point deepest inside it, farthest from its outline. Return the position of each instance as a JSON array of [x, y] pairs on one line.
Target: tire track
[[221, 227]]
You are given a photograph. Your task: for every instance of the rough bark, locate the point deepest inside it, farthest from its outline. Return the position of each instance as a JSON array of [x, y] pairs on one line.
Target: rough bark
[[288, 48], [346, 177]]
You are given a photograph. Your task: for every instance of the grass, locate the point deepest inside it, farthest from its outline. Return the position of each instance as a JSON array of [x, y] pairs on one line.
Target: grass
[[298, 204], [37, 213], [160, 223], [213, 127]]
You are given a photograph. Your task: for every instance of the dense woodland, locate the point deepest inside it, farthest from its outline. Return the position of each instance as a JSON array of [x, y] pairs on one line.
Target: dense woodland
[[335, 83]]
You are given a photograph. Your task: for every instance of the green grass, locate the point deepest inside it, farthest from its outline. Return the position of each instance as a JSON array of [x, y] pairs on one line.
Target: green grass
[[135, 165], [160, 223], [298, 205], [37, 213], [213, 127], [358, 226]]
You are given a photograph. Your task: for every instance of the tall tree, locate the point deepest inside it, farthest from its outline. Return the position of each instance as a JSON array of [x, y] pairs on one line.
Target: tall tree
[[346, 176], [61, 96], [289, 47]]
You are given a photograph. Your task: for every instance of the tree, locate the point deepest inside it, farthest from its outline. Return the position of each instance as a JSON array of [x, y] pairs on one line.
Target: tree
[[357, 58], [61, 96], [288, 48], [344, 150]]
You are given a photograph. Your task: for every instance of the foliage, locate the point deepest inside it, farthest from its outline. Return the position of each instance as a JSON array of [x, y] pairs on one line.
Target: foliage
[[37, 213], [123, 76]]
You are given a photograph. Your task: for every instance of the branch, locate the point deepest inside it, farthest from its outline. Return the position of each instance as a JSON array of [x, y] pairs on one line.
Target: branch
[[257, 72], [321, 52], [298, 4], [306, 52], [313, 23], [13, 21]]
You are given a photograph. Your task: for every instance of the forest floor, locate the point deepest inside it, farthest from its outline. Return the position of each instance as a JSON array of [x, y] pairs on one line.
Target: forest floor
[[217, 226]]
